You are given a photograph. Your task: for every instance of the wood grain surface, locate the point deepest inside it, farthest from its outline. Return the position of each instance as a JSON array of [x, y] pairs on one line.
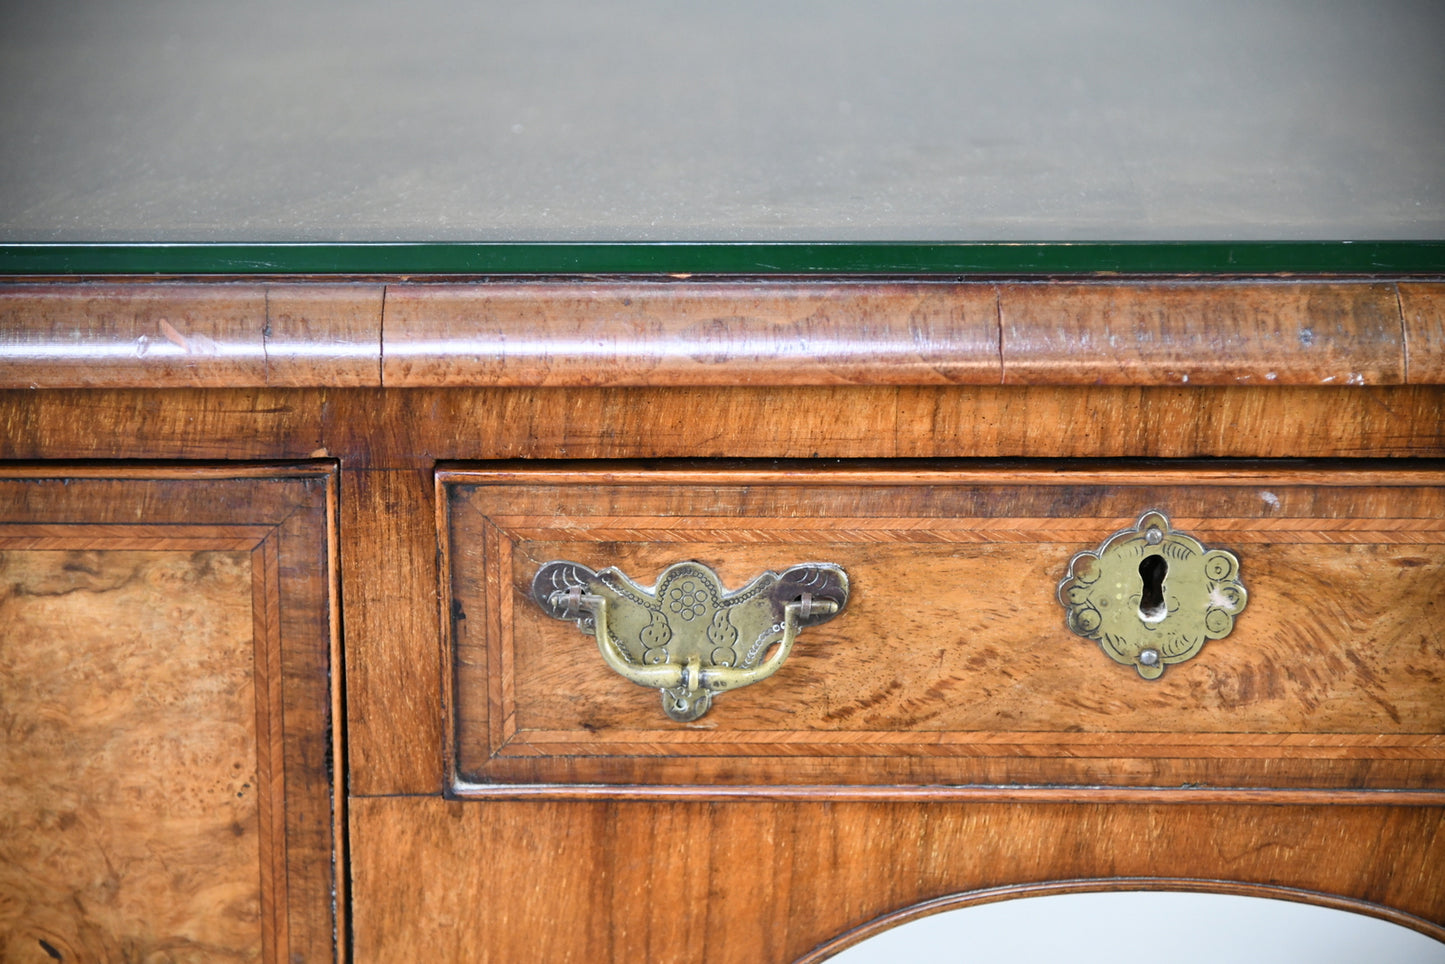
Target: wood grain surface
[[168, 782], [767, 882], [129, 818], [1202, 333], [180, 334], [69, 336], [414, 429], [952, 663], [410, 430], [698, 332], [393, 660], [192, 424], [322, 334], [1423, 309]]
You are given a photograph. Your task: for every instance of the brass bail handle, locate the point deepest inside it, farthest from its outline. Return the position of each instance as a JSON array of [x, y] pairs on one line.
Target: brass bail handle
[[687, 637]]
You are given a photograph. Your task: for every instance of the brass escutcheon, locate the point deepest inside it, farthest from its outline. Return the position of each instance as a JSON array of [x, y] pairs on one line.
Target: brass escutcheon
[[688, 637], [1151, 596]]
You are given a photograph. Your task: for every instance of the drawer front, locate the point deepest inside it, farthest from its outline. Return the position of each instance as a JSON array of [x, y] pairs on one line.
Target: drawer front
[[952, 663], [166, 644]]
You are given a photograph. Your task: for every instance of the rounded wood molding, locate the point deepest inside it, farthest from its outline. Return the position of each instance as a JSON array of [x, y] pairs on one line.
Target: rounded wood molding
[[323, 332]]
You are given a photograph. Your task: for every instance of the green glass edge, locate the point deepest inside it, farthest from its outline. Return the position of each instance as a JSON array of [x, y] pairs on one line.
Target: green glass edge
[[734, 258]]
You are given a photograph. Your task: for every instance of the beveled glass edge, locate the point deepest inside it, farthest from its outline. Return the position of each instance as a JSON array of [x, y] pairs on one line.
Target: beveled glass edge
[[733, 258]]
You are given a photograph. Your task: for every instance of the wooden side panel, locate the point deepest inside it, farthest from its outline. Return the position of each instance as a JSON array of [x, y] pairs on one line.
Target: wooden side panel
[[783, 878], [952, 663], [165, 786], [1202, 333], [696, 333]]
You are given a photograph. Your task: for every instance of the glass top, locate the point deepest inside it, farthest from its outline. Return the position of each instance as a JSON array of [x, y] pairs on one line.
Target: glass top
[[786, 136]]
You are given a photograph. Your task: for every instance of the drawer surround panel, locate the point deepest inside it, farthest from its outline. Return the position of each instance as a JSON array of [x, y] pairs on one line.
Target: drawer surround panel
[[167, 681], [952, 666]]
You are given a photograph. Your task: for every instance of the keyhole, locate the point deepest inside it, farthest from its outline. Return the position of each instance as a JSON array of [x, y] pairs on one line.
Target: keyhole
[[1152, 570]]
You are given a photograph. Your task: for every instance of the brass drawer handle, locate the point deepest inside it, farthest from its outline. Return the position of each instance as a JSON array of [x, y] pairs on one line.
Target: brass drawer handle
[[687, 637], [1151, 596]]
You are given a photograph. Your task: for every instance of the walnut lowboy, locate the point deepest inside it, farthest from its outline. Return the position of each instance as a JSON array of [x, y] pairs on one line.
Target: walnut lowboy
[[482, 774]]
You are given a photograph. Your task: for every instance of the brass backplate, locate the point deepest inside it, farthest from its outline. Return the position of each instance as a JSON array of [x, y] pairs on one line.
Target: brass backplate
[[688, 637], [1152, 596]]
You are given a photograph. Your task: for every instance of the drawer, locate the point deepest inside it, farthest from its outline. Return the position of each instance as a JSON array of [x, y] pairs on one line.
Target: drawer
[[952, 662], [166, 692]]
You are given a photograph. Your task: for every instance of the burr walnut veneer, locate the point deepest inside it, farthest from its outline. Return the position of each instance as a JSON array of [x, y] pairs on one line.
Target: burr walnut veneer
[[169, 638], [273, 684]]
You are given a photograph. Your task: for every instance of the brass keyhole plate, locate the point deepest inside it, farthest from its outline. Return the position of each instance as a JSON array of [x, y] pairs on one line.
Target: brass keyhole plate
[[1151, 596]]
